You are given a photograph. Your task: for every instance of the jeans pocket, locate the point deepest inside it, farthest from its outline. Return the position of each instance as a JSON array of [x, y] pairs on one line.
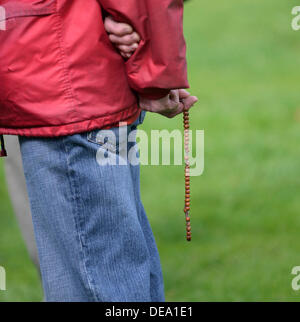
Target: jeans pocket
[[105, 139], [115, 140]]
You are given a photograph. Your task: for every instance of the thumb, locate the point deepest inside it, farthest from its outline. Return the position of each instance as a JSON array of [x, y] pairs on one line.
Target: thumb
[[186, 98]]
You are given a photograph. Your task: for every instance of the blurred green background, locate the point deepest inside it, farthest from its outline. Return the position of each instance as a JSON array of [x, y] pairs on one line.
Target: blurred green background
[[243, 65]]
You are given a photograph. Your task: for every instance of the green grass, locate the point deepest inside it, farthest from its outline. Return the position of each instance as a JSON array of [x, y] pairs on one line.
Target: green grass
[[23, 283], [243, 64]]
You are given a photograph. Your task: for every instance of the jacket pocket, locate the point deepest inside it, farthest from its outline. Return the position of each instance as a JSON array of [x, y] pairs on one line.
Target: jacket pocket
[[32, 68], [18, 9]]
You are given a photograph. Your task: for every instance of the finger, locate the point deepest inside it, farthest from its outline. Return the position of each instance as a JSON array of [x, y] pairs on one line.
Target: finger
[[190, 101], [183, 94], [117, 28], [128, 49], [125, 40], [126, 55], [187, 99]]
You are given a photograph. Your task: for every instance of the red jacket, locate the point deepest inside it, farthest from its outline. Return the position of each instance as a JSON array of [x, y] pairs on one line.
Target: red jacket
[[60, 74]]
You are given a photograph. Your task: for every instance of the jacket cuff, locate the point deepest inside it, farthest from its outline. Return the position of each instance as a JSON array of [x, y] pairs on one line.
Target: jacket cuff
[[155, 95]]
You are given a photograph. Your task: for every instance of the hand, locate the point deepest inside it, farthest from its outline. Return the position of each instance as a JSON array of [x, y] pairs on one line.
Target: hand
[[122, 36], [170, 105]]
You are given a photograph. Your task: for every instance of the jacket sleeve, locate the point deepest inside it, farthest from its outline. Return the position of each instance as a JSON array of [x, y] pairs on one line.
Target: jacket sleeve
[[159, 63]]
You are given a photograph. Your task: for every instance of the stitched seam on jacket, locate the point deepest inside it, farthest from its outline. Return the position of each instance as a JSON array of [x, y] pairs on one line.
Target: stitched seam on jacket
[[62, 61]]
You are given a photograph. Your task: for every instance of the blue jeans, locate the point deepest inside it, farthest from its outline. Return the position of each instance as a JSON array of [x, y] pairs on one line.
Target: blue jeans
[[93, 236]]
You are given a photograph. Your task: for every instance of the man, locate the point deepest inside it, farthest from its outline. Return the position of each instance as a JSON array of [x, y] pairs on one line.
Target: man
[[64, 84], [126, 41]]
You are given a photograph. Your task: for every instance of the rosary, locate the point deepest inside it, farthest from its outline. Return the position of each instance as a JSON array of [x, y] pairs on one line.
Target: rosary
[[186, 123]]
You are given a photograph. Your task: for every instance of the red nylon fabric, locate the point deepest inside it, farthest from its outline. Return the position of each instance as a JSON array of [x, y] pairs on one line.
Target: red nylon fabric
[[60, 74]]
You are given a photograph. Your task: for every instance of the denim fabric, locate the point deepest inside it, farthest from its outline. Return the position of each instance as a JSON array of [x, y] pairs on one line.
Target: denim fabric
[[93, 236]]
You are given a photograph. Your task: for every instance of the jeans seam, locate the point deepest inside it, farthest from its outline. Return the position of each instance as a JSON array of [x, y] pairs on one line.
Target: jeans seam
[[76, 214]]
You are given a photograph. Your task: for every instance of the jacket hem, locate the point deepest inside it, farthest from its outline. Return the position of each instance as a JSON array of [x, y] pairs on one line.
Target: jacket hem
[[102, 122]]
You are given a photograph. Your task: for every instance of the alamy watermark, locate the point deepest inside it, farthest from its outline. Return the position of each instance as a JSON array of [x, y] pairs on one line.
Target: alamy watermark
[[2, 18], [159, 147], [2, 279], [296, 19], [296, 279]]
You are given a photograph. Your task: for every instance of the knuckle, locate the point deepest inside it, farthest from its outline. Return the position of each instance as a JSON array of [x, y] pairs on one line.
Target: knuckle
[[108, 27], [130, 39], [125, 49], [127, 40], [119, 30], [112, 38], [123, 30], [135, 36]]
